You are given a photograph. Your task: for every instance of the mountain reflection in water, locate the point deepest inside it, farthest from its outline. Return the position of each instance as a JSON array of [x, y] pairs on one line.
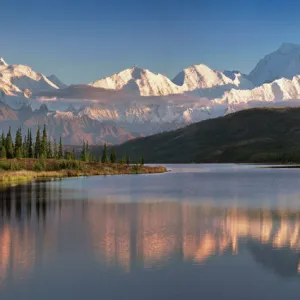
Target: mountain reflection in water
[[37, 228]]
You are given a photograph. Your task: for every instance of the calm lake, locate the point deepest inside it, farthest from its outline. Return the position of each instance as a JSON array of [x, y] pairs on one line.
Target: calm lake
[[197, 232]]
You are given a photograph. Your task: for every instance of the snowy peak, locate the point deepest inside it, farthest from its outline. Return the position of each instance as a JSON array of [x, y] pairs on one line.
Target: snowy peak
[[54, 79], [286, 48], [140, 80], [18, 78], [283, 63], [198, 77], [19, 82], [275, 92], [2, 62]]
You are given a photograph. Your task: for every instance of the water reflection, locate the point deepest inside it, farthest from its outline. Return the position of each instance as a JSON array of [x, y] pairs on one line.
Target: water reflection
[[150, 234], [38, 228], [30, 220]]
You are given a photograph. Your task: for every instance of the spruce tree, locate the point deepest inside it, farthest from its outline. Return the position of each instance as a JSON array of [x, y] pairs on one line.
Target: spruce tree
[[9, 145], [127, 159], [29, 144], [122, 161], [55, 149], [60, 149], [104, 158], [37, 146], [68, 154], [87, 151], [91, 157], [113, 157], [2, 139], [84, 154], [18, 144], [44, 143], [142, 161], [49, 149], [2, 146], [2, 151], [25, 147]]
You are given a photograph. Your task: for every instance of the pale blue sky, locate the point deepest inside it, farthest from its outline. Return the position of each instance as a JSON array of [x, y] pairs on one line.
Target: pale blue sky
[[82, 41]]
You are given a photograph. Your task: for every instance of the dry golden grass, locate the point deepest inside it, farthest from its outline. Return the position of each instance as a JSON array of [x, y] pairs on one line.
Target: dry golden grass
[[25, 169]]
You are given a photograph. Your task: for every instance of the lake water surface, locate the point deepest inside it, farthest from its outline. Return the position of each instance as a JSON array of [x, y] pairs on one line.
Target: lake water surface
[[198, 232]]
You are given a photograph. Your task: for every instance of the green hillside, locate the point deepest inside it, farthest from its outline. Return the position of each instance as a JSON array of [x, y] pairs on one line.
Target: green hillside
[[254, 135]]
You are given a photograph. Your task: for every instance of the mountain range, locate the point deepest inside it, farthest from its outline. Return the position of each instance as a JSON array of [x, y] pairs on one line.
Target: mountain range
[[137, 102]]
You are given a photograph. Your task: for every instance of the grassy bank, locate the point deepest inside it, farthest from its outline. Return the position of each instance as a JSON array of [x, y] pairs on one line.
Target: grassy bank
[[16, 170]]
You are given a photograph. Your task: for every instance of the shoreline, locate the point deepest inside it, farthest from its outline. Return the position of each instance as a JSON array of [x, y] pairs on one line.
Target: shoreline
[[26, 172]]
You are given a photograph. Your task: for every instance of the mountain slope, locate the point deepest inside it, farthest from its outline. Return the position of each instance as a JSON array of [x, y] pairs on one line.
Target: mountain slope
[[253, 135], [196, 77], [283, 63], [279, 90], [140, 80], [56, 81], [74, 129], [19, 82], [202, 77]]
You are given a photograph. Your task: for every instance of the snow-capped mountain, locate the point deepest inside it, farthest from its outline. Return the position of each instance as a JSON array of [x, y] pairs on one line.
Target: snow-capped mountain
[[277, 91], [137, 102], [283, 63], [141, 81], [19, 82], [21, 77], [202, 78], [54, 79], [2, 62]]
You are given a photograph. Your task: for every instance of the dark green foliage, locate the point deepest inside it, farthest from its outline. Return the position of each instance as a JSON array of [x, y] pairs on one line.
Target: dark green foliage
[[127, 159], [18, 153], [85, 152], [70, 165], [122, 161], [29, 144], [136, 168], [68, 155], [2, 139], [43, 147], [142, 162], [10, 166], [2, 151], [49, 149], [104, 157], [113, 156], [18, 144], [60, 149], [91, 157], [40, 165], [37, 145], [24, 147], [9, 145], [254, 135], [2, 146], [55, 152]]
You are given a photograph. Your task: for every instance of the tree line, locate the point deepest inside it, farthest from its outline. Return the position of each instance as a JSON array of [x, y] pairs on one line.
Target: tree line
[[23, 146]]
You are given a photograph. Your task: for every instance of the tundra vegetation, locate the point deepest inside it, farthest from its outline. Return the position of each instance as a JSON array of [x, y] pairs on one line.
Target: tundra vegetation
[[24, 157]]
